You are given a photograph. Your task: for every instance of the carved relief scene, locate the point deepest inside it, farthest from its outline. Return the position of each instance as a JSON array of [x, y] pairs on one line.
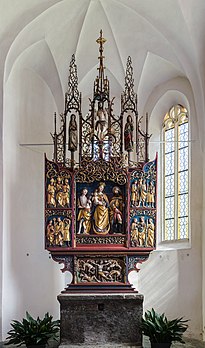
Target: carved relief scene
[[58, 232], [58, 189], [142, 229], [143, 193], [100, 269]]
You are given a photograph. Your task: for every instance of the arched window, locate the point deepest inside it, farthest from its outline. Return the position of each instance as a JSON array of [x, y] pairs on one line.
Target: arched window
[[176, 174]]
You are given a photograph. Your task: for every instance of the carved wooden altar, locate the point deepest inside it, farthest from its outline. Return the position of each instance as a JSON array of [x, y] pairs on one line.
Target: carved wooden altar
[[100, 187]]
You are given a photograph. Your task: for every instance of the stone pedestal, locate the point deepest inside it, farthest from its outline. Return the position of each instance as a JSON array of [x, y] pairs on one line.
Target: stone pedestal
[[101, 320]]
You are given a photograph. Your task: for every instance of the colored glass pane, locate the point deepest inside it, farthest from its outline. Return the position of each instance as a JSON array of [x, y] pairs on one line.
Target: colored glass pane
[[183, 205], [169, 163], [183, 159], [169, 207], [169, 140], [169, 229], [183, 227], [183, 182], [183, 135], [169, 185]]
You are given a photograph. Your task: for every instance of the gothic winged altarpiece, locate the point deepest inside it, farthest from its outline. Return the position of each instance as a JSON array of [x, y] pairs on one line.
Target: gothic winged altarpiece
[[100, 187]]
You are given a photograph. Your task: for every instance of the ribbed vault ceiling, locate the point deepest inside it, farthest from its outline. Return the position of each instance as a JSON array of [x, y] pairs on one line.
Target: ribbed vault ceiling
[[165, 39]]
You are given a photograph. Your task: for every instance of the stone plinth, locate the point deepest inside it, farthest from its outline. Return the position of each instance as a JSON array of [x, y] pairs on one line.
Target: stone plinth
[[101, 320]]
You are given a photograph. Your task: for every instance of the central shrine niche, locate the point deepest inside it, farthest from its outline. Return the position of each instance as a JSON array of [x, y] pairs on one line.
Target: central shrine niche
[[100, 187], [100, 208]]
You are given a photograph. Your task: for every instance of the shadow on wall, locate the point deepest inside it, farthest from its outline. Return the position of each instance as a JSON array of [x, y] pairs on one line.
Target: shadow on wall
[[170, 282], [157, 280]]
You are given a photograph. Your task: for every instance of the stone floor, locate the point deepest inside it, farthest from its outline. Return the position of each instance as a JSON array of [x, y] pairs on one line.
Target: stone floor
[[189, 343]]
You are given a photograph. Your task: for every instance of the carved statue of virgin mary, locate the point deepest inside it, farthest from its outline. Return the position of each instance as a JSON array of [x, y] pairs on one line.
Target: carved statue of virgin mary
[[73, 134]]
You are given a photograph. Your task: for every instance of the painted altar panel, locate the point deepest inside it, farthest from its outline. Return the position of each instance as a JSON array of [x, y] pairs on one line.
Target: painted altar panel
[[80, 212]]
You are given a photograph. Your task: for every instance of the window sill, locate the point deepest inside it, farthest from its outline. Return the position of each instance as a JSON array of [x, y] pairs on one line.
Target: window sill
[[174, 244]]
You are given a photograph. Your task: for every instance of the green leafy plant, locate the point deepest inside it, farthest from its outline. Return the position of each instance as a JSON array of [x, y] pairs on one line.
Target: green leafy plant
[[161, 330], [32, 331]]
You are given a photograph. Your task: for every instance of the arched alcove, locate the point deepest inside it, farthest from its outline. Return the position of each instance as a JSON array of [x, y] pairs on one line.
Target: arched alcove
[[172, 265]]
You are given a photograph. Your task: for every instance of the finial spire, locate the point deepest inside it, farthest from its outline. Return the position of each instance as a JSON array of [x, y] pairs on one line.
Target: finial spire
[[101, 86], [101, 41]]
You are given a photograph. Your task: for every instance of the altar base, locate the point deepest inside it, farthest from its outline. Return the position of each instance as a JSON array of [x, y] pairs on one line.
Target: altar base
[[101, 320]]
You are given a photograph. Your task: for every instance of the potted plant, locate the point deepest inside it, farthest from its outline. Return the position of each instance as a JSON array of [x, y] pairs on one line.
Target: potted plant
[[33, 332], [161, 331]]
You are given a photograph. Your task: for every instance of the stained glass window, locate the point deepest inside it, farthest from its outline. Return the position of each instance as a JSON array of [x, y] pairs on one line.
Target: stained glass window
[[176, 174]]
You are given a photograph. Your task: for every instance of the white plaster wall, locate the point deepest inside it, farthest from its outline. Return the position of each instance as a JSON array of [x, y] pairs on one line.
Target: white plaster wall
[[203, 258], [31, 281]]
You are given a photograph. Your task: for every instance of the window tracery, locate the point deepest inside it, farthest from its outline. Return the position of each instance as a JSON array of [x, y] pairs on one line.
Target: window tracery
[[176, 174]]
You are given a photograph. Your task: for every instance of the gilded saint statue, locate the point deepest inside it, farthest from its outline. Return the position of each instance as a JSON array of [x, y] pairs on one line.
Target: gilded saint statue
[[59, 231], [150, 233], [101, 125], [84, 215], [65, 194], [50, 232], [73, 134], [141, 231], [51, 193], [151, 195], [59, 191], [66, 230], [128, 134], [134, 230], [135, 193], [143, 192], [101, 224], [116, 208]]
